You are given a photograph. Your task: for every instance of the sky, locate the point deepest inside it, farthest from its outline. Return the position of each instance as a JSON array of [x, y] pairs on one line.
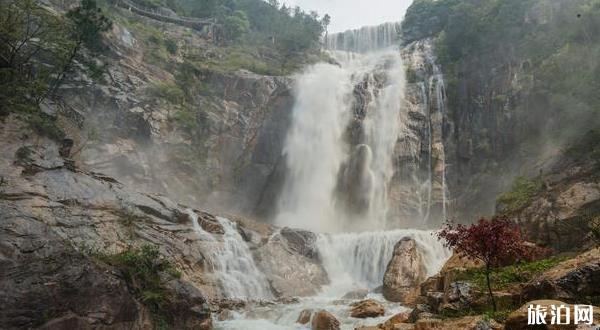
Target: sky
[[351, 14]]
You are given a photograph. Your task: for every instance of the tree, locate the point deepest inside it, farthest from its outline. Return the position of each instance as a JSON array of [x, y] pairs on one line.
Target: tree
[[495, 242], [236, 25], [90, 22], [325, 22], [34, 49]]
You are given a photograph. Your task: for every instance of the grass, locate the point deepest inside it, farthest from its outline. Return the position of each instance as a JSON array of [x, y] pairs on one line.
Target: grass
[[141, 268], [505, 277], [167, 91], [521, 194]]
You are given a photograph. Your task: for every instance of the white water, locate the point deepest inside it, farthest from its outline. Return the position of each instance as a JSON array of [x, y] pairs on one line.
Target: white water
[[358, 248], [352, 261], [358, 260], [315, 148], [232, 263], [366, 39]]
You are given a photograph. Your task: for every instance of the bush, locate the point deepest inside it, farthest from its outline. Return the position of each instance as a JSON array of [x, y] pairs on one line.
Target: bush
[[167, 91], [171, 46], [521, 194], [141, 269], [45, 125]]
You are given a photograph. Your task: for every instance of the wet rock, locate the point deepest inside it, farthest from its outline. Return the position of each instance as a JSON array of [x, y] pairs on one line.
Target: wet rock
[[366, 308], [323, 320], [304, 316], [356, 294], [289, 273], [420, 311], [404, 273], [44, 281], [302, 242]]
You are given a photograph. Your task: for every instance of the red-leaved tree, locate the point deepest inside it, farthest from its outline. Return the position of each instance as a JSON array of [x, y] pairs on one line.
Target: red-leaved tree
[[496, 242]]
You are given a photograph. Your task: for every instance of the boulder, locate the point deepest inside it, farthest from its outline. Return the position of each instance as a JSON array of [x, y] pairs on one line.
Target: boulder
[[394, 321], [458, 262], [404, 273], [301, 241], [356, 294], [518, 320], [323, 320], [420, 311], [367, 308], [290, 273], [568, 281], [304, 316]]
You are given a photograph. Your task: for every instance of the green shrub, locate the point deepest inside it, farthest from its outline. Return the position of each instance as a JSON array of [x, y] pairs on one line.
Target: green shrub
[[171, 46], [521, 194], [167, 91], [45, 125], [141, 269]]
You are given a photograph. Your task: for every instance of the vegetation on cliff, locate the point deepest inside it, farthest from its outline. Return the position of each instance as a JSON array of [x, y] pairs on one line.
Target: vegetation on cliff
[[37, 50], [522, 78], [551, 45], [142, 269]]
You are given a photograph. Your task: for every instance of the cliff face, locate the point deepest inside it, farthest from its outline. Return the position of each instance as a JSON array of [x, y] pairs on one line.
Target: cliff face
[[560, 207], [158, 123], [515, 95], [72, 249]]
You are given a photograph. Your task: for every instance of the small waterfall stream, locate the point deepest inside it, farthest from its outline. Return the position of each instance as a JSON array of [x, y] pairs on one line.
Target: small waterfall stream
[[232, 263]]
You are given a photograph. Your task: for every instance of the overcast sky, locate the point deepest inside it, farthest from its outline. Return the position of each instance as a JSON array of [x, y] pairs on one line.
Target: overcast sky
[[350, 14]]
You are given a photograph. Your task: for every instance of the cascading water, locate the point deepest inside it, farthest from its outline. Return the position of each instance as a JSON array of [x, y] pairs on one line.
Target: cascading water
[[232, 263], [359, 260], [351, 128], [327, 174], [365, 39]]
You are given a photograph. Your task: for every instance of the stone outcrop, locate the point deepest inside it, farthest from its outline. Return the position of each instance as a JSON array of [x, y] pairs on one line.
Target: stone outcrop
[[404, 273], [323, 320], [288, 261], [222, 151], [560, 214], [570, 281], [56, 217], [366, 308]]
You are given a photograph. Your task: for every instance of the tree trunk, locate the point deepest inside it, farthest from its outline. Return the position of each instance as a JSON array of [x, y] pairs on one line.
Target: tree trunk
[[487, 278]]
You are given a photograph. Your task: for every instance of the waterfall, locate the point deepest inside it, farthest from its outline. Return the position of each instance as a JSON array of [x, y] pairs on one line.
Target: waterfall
[[359, 260], [365, 39], [232, 263], [328, 174], [314, 147]]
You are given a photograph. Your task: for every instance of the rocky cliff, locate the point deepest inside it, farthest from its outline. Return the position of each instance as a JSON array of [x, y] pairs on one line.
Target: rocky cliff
[[158, 121], [69, 235], [515, 96]]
